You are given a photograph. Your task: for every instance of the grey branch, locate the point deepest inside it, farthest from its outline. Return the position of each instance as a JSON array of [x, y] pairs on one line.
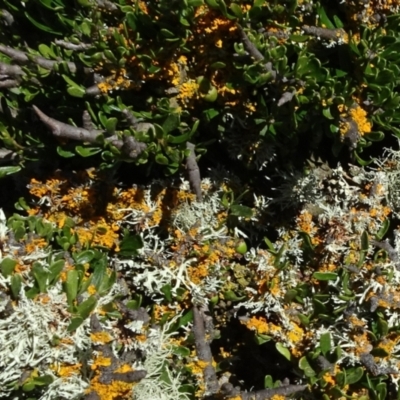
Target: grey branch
[[324, 33], [249, 45], [24, 58], [93, 91], [128, 144], [132, 147], [9, 83], [87, 121], [193, 171], [106, 4], [72, 46], [254, 52], [11, 70], [128, 114], [60, 129], [286, 97], [6, 17]]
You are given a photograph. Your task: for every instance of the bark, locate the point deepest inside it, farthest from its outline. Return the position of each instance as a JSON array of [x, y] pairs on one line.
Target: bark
[[193, 171]]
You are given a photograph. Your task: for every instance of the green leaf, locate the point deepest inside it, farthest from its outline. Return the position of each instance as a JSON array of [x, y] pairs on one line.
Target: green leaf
[[184, 320], [99, 274], [87, 151], [299, 38], [327, 113], [353, 375], [212, 3], [111, 125], [41, 26], [283, 350], [166, 33], [383, 230], [181, 351], [55, 270], [236, 9], [21, 205], [110, 56], [325, 343], [375, 136], [16, 283], [383, 327], [7, 266], [271, 247], [71, 82], [46, 51], [85, 308], [268, 382], [41, 276], [305, 321], [364, 241], [75, 91], [381, 391], [362, 162], [307, 243], [231, 296], [241, 211], [43, 380], [4, 171], [161, 159], [261, 338], [65, 153], [259, 3], [75, 323], [325, 276], [130, 245], [71, 285], [84, 256], [324, 18], [179, 139], [28, 386], [167, 290], [130, 18], [136, 302], [338, 22], [305, 366]]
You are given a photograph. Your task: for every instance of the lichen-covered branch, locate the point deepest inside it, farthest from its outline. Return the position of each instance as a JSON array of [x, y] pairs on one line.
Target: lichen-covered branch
[[193, 171], [203, 351], [229, 391], [104, 375], [324, 33]]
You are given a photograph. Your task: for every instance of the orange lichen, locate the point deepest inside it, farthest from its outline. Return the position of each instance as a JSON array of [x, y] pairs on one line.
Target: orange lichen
[[100, 337]]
